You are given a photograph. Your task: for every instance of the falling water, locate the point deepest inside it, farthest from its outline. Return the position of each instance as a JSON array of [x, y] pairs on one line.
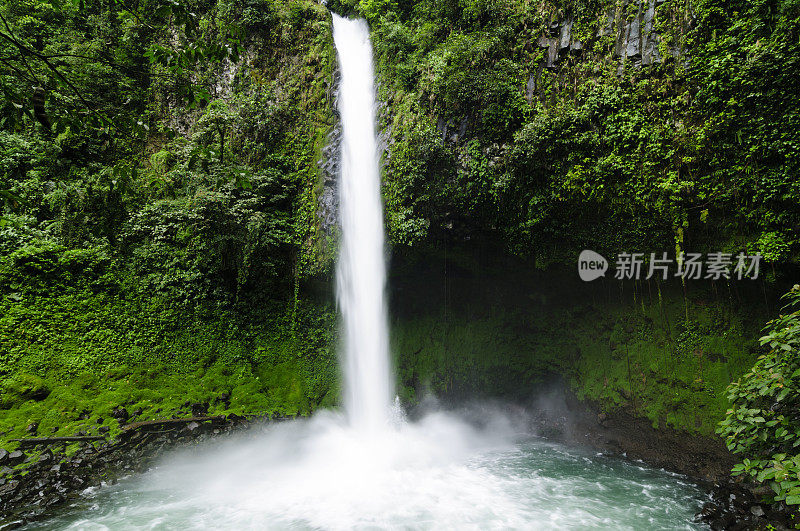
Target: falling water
[[361, 272]]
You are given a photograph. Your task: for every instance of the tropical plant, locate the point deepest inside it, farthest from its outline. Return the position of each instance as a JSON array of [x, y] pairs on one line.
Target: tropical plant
[[763, 423]]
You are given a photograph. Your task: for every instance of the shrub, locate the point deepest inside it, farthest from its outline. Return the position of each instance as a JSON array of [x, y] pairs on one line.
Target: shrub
[[763, 423]]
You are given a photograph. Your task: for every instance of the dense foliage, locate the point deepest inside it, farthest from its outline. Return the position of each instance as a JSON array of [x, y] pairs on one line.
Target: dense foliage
[[763, 424], [170, 133], [162, 205], [157, 206], [78, 339], [696, 150]]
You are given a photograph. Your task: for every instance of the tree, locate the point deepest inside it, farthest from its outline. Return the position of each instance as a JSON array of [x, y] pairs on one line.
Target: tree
[[217, 118], [70, 54]]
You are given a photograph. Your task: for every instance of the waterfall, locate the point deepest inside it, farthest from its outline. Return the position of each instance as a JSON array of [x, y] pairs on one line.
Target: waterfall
[[361, 269]]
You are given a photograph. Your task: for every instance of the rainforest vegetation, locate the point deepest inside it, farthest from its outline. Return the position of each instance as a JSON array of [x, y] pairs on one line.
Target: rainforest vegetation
[[168, 208]]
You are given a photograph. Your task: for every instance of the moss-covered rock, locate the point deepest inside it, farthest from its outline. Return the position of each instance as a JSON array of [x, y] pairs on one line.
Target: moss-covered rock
[[22, 387]]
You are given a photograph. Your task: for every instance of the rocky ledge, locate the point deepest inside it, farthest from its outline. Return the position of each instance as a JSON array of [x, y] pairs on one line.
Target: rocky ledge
[[52, 478]]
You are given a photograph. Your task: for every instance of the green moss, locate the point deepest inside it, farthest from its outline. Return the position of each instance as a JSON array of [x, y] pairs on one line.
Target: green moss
[[503, 332], [23, 387], [68, 356]]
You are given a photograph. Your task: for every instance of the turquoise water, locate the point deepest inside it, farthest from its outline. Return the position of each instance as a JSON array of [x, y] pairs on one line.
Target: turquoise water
[[439, 473]]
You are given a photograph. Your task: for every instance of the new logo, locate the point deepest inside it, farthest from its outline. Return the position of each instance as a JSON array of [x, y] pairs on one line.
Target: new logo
[[591, 265]]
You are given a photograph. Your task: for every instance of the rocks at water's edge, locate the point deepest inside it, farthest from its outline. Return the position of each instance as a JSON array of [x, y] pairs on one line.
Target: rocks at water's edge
[[52, 478], [14, 458], [733, 507]]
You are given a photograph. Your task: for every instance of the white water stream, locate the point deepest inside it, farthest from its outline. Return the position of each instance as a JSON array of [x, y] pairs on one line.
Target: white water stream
[[361, 271]]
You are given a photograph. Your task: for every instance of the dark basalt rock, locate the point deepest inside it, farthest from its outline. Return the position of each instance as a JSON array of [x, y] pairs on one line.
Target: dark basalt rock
[[199, 409], [224, 398], [329, 163], [634, 27], [121, 414], [733, 507], [53, 479], [566, 33]]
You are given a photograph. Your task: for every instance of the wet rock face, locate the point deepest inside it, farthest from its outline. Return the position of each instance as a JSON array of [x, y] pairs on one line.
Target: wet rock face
[[328, 207], [631, 23], [453, 130], [199, 409], [558, 42], [635, 38]]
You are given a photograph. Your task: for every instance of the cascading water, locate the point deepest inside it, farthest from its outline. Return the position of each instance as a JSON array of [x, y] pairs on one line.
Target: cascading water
[[361, 272], [360, 472]]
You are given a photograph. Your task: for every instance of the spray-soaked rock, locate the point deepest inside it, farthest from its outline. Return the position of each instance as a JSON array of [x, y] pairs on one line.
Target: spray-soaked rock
[[52, 479], [121, 414]]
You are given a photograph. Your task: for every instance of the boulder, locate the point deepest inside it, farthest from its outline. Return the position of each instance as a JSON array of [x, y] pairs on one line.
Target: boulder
[[199, 409], [566, 33], [121, 414], [15, 457]]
